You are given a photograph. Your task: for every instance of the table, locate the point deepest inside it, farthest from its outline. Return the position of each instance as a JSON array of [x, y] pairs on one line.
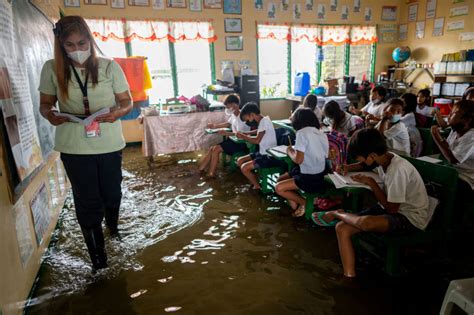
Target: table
[[179, 133]]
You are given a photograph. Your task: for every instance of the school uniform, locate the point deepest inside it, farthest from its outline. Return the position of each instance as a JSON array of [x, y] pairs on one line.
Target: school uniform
[[425, 111], [416, 142], [404, 185], [349, 124], [463, 151], [375, 109], [309, 175], [237, 125], [261, 159], [397, 138]]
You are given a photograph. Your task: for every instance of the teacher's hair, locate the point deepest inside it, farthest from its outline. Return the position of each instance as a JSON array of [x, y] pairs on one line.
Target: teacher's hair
[[63, 29]]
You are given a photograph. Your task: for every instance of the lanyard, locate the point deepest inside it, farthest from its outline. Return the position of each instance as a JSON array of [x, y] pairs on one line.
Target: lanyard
[[83, 88]]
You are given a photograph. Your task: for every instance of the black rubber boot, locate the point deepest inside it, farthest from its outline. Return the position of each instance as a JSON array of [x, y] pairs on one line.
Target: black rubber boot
[[111, 221], [94, 239]]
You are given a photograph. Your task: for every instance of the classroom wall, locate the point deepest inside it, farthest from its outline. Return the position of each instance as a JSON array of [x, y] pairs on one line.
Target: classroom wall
[[16, 279], [431, 48], [249, 18]]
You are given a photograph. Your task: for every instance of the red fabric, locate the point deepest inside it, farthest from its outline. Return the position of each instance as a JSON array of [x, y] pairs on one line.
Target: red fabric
[[133, 69]]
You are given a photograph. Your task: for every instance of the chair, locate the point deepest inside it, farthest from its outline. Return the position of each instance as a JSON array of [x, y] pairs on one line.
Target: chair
[[461, 293]]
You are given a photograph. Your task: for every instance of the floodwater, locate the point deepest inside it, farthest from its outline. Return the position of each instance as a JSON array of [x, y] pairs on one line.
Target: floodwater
[[197, 246]]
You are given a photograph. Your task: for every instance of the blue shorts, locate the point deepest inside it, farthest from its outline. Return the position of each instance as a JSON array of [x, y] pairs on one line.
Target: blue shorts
[[265, 161], [309, 183], [397, 222]]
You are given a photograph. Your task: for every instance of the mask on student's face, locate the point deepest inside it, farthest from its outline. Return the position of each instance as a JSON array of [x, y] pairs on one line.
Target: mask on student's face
[[80, 56], [374, 100], [395, 118], [228, 111]]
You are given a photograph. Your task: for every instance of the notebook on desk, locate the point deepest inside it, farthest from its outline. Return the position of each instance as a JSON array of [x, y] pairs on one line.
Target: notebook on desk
[[341, 181]]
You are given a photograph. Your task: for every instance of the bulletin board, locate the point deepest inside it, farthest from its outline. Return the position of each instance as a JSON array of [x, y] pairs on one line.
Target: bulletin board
[[26, 138]]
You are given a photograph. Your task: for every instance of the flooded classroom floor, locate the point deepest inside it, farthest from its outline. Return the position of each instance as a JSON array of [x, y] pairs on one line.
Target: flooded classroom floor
[[191, 245]]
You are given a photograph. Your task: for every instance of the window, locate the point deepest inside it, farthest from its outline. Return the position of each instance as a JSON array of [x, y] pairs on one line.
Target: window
[[335, 49], [158, 59], [360, 61], [193, 66], [273, 60], [187, 43]]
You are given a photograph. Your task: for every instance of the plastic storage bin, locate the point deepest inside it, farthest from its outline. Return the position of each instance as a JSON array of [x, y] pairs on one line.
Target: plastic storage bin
[[302, 84]]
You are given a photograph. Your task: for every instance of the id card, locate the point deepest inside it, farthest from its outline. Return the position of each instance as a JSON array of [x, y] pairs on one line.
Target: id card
[[92, 130]]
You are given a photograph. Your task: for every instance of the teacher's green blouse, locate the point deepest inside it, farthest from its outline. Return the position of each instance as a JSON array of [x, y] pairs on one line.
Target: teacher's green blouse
[[70, 137]]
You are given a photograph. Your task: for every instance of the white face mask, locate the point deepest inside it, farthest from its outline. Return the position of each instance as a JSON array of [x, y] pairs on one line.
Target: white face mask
[[374, 100], [80, 56], [229, 111]]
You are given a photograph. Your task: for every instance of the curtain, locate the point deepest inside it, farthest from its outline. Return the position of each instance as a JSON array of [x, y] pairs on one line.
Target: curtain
[[311, 33], [273, 31], [336, 35], [126, 31], [363, 35]]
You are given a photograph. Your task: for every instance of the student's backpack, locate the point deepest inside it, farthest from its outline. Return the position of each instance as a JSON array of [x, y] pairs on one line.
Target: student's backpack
[[337, 155]]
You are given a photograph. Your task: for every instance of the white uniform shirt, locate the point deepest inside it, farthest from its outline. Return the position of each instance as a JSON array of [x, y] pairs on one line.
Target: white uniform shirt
[[398, 138], [268, 140], [237, 124], [315, 146], [425, 111], [375, 109], [463, 151], [348, 125], [409, 120], [404, 185]]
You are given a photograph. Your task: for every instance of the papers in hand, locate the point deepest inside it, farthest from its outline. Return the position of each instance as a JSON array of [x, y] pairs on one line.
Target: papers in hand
[[429, 159], [86, 121], [208, 130], [281, 149], [341, 181]]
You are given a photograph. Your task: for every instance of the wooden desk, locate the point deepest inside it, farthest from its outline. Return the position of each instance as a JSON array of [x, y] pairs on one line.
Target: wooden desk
[[179, 133]]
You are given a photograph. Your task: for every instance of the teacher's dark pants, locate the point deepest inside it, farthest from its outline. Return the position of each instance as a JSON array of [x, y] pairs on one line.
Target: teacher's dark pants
[[96, 185]]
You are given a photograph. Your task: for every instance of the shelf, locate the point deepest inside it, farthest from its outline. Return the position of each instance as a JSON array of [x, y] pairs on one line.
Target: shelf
[[454, 75]]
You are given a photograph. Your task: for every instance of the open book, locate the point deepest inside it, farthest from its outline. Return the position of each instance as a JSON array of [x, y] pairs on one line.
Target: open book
[[341, 181], [84, 121], [208, 130], [280, 149]]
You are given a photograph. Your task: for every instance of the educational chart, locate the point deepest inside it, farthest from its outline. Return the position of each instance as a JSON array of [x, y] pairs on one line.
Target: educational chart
[[7, 36], [23, 232], [17, 109], [40, 209]]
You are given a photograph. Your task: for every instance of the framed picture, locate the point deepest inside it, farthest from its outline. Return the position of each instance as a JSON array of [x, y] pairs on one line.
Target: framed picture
[[72, 3], [99, 2], [195, 5], [117, 4], [234, 43], [139, 3], [176, 4], [212, 4], [233, 25], [232, 6], [389, 13], [158, 4]]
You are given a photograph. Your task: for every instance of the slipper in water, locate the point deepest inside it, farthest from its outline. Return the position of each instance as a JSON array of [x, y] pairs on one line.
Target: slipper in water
[[317, 218]]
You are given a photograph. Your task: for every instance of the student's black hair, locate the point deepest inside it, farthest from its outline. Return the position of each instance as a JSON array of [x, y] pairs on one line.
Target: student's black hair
[[310, 101], [366, 141], [304, 117], [395, 101], [426, 94], [380, 91], [249, 108], [232, 99], [410, 103], [333, 111], [467, 109], [469, 92]]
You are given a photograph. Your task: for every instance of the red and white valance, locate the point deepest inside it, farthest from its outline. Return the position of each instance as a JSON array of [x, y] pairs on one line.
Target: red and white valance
[[363, 35], [310, 33], [336, 35], [273, 31]]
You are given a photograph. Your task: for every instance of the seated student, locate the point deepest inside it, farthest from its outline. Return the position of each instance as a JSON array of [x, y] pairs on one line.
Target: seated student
[[228, 146], [393, 130], [265, 138], [402, 204], [309, 153], [340, 120], [424, 101], [458, 148], [311, 101], [408, 118], [373, 111]]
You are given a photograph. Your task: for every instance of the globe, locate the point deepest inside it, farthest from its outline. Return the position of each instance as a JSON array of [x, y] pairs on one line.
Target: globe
[[401, 54]]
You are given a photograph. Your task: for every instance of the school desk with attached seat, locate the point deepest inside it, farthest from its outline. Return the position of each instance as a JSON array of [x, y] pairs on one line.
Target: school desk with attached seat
[[388, 248]]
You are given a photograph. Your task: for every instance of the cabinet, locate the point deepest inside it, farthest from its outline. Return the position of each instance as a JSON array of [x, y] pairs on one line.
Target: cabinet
[[249, 89], [451, 85]]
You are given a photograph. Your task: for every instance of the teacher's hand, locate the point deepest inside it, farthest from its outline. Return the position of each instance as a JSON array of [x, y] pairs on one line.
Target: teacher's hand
[[114, 114], [55, 120]]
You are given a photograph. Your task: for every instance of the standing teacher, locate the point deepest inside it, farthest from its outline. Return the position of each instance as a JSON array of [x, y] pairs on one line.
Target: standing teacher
[[82, 84]]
